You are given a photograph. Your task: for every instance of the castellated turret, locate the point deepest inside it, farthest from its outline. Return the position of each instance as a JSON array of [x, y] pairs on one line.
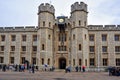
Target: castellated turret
[[79, 7], [46, 15], [46, 8], [79, 14]]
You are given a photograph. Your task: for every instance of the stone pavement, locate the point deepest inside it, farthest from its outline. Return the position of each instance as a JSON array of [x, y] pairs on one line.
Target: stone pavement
[[56, 76]]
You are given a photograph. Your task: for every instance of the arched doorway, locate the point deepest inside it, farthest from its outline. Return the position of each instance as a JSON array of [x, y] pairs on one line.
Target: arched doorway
[[62, 63]]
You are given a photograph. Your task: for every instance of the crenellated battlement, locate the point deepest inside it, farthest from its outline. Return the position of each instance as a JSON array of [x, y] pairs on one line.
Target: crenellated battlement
[[19, 28], [78, 7], [104, 27], [46, 8]]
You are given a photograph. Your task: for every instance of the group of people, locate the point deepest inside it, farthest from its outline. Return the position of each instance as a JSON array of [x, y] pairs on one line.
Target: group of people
[[18, 68], [114, 71], [77, 69]]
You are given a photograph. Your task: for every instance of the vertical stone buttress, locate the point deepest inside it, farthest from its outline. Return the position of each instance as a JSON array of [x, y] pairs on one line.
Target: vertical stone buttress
[[45, 34], [79, 34]]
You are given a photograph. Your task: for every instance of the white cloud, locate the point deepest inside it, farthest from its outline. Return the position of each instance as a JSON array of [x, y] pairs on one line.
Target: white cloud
[[24, 12]]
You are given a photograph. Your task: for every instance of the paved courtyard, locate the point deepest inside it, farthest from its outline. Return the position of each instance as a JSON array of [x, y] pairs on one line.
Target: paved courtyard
[[56, 76]]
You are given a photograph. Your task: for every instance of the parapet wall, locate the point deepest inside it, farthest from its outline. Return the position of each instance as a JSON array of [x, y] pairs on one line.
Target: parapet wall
[[104, 27], [19, 29], [46, 8], [79, 7]]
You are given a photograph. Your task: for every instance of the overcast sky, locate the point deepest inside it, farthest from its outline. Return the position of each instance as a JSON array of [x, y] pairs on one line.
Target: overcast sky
[[24, 12]]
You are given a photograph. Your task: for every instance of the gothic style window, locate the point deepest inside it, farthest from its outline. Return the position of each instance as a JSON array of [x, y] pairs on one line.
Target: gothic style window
[[13, 37], [1, 48], [80, 47], [42, 61], [91, 48], [48, 62], [104, 37], [80, 62], [34, 48], [104, 49], [2, 37], [117, 48], [34, 37], [43, 47], [79, 23], [49, 36], [1, 59], [85, 23], [12, 48], [49, 24], [23, 48], [23, 37], [91, 37], [43, 23], [12, 60], [117, 37], [23, 60], [33, 60], [105, 61], [92, 61], [73, 62], [118, 62], [73, 36], [73, 24]]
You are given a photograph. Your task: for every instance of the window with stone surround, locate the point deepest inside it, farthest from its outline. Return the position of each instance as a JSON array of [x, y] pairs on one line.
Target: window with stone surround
[[22, 60], [79, 23], [2, 37], [105, 62], [104, 49], [1, 48], [92, 49], [23, 48], [104, 37], [12, 60], [80, 62], [79, 47], [73, 62], [42, 60], [34, 37], [49, 37], [43, 47], [23, 37], [73, 36], [91, 37], [1, 59], [34, 48], [48, 62], [92, 62], [13, 37], [43, 23], [117, 37], [49, 24], [117, 48], [12, 48], [34, 60], [117, 61]]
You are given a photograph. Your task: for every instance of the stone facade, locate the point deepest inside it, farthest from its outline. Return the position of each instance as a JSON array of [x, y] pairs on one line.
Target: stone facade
[[61, 41]]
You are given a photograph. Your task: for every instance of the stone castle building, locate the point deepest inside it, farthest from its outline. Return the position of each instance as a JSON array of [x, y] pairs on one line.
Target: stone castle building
[[61, 41]]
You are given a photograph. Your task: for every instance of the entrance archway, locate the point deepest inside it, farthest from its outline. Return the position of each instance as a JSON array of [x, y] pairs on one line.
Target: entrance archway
[[62, 63]]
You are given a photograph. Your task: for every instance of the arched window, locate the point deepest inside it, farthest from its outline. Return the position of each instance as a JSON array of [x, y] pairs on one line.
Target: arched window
[[42, 61], [73, 62], [49, 24], [48, 62], [43, 23], [79, 23], [80, 47], [43, 47], [73, 36], [80, 62]]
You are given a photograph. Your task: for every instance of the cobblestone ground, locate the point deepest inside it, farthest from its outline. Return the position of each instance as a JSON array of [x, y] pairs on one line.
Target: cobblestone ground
[[57, 76]]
